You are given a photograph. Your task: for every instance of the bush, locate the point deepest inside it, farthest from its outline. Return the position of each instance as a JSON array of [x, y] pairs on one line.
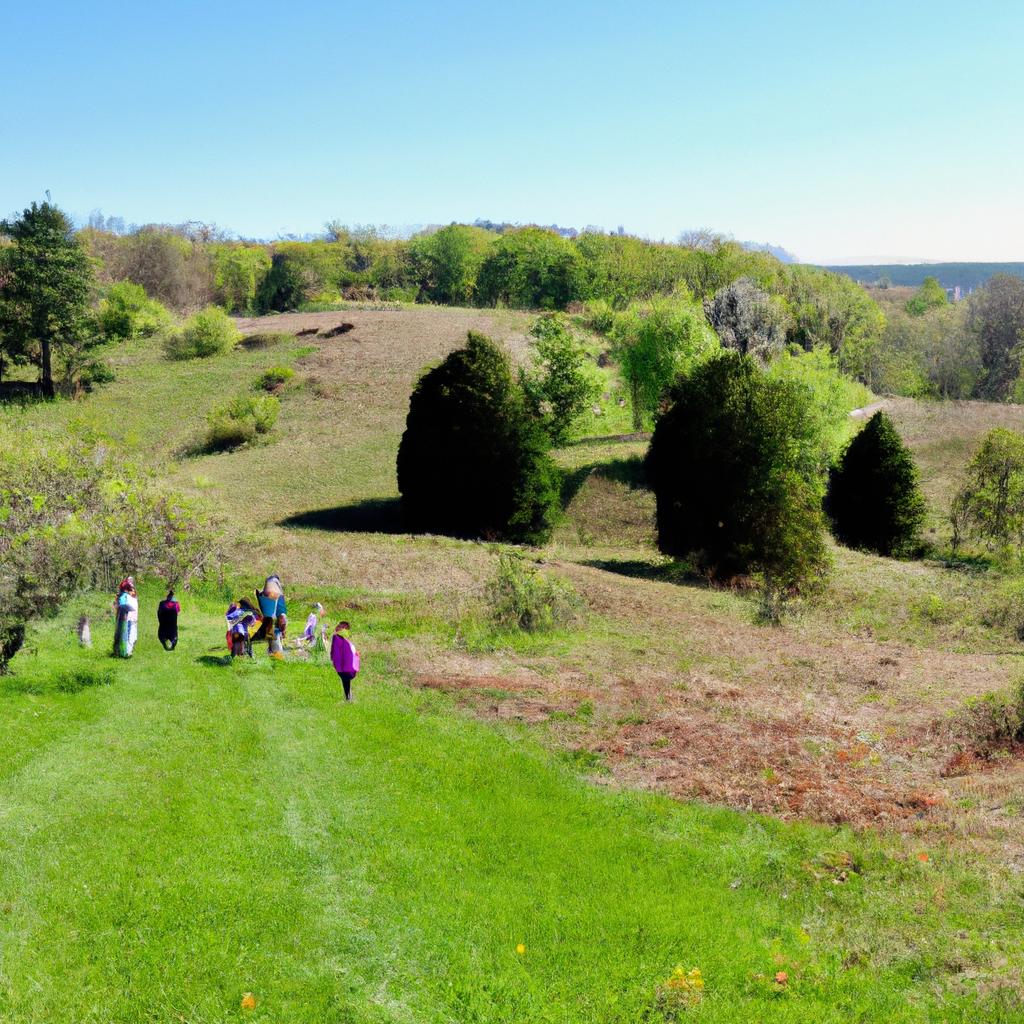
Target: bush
[[747, 319], [126, 312], [522, 598], [272, 379], [558, 387], [994, 719], [736, 471], [530, 269], [240, 421], [873, 498], [209, 332], [472, 461], [654, 343], [990, 505]]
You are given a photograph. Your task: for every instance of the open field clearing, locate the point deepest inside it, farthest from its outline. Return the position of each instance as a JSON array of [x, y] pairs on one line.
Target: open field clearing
[[178, 832]]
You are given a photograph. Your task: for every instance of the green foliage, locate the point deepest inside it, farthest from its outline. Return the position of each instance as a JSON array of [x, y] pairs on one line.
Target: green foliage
[[448, 261], [833, 396], [238, 273], [472, 461], [125, 312], [994, 719], [272, 379], [44, 301], [990, 505], [654, 343], [241, 421], [531, 269], [930, 295], [522, 598], [735, 467], [74, 516], [995, 317], [873, 497], [210, 332], [561, 383]]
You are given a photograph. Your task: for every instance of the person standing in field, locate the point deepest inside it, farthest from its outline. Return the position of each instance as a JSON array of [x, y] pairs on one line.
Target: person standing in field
[[126, 632], [344, 657], [167, 612]]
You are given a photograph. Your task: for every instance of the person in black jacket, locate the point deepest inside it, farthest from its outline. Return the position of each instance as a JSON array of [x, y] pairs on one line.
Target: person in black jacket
[[167, 616]]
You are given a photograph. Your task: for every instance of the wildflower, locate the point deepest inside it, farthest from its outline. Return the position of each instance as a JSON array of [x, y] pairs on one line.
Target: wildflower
[[923, 858], [781, 978], [248, 1001], [521, 949]]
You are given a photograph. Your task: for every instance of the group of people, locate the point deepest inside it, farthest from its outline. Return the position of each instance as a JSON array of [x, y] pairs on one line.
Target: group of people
[[248, 621]]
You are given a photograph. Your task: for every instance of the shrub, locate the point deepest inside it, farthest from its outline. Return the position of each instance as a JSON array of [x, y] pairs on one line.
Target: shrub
[[272, 379], [522, 598], [993, 719], [209, 332], [530, 268], [747, 319], [472, 461], [873, 498], [126, 312], [240, 421], [558, 387], [990, 505], [654, 343], [599, 316], [735, 467]]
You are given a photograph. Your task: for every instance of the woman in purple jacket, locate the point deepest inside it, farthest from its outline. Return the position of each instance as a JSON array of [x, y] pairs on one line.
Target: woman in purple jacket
[[344, 657]]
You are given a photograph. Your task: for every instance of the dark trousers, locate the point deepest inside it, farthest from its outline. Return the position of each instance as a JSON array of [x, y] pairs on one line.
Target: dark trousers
[[346, 682]]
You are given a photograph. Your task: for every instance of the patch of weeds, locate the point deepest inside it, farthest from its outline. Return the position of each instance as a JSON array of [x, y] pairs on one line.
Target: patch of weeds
[[633, 719], [583, 713], [931, 608], [274, 378], [305, 350], [521, 598], [69, 681], [994, 718], [590, 761], [265, 339]]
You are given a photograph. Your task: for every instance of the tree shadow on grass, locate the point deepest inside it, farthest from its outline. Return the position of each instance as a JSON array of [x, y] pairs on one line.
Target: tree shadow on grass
[[629, 472], [679, 573], [373, 515]]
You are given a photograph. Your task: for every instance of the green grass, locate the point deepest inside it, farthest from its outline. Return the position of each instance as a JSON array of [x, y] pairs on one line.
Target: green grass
[[193, 831]]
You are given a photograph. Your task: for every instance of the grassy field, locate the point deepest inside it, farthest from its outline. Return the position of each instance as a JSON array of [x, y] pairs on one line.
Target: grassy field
[[178, 832]]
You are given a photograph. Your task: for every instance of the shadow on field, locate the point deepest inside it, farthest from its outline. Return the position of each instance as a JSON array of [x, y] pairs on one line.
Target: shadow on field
[[214, 660], [680, 573], [373, 515], [629, 472]]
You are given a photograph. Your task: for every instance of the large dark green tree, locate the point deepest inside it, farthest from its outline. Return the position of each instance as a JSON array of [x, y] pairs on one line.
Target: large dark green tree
[[735, 467], [873, 498], [473, 460], [44, 290]]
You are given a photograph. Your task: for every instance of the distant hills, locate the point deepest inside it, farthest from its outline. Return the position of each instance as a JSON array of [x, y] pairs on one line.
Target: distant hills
[[783, 255], [965, 276]]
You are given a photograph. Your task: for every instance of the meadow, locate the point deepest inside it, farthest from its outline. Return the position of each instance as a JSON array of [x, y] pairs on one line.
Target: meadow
[[500, 827]]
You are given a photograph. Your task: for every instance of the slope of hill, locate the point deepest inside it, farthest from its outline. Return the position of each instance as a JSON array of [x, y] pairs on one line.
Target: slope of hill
[[183, 831]]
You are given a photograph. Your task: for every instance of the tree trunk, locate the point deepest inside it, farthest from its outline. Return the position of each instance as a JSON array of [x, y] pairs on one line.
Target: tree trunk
[[45, 369]]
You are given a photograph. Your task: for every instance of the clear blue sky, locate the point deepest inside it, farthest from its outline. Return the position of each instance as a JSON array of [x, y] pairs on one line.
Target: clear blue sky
[[855, 131]]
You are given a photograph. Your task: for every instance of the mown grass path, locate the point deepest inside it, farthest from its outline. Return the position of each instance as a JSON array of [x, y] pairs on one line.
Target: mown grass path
[[194, 831]]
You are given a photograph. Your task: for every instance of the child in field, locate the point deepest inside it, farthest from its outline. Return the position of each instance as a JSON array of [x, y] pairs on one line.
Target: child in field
[[126, 631], [344, 657], [309, 635], [167, 612]]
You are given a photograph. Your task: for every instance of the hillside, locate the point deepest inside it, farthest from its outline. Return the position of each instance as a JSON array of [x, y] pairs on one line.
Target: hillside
[[183, 831], [966, 276]]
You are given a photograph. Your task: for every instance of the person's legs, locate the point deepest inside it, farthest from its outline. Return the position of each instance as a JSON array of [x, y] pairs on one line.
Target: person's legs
[[174, 642], [133, 635], [346, 682]]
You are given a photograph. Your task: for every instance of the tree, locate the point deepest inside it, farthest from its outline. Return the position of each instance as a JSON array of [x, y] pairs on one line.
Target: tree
[[473, 462], [995, 316], [930, 295], [558, 387], [873, 498], [990, 505], [531, 269], [47, 280], [656, 342], [747, 319], [735, 467], [448, 261]]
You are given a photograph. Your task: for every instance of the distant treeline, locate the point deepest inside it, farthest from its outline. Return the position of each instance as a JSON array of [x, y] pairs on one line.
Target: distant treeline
[[966, 276]]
